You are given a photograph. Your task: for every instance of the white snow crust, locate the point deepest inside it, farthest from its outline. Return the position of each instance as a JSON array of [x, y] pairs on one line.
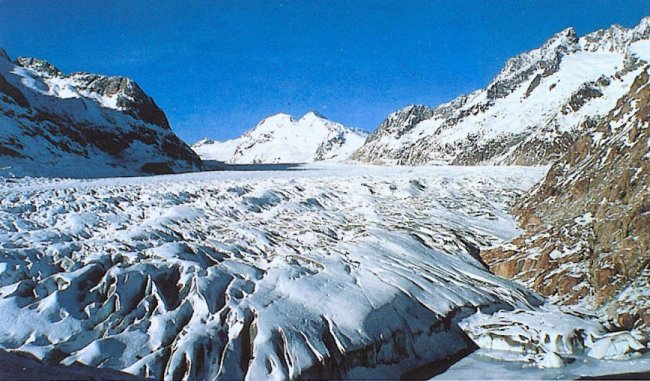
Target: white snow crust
[[329, 271]]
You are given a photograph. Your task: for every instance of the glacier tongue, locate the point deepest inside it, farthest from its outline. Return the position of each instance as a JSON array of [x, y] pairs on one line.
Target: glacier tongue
[[324, 272]]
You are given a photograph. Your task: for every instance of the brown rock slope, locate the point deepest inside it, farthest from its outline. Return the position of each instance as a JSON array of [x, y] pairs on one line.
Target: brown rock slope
[[587, 224]]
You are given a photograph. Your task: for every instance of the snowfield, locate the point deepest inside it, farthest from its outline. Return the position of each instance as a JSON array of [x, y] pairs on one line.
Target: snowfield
[[325, 271]]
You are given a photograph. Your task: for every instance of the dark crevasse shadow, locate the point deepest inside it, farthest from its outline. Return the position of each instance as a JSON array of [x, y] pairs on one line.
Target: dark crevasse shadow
[[428, 371], [22, 366], [214, 165], [620, 376]]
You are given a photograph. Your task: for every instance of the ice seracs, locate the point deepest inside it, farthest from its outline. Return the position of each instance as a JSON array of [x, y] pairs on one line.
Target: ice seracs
[[548, 337], [327, 272], [282, 139]]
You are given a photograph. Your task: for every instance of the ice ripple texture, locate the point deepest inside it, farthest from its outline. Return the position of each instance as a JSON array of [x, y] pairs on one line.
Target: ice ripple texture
[[326, 272]]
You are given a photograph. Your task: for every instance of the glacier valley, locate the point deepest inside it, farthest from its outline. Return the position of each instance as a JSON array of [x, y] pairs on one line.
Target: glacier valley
[[329, 270]]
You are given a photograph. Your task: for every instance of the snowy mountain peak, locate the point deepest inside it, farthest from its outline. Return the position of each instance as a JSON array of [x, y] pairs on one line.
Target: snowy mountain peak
[[113, 92], [520, 67], [282, 139], [275, 121], [532, 110], [313, 115], [203, 142], [39, 66], [82, 124], [4, 55], [566, 37], [643, 29]]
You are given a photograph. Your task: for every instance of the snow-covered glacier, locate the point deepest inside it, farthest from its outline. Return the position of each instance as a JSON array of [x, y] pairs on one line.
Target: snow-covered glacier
[[326, 271]]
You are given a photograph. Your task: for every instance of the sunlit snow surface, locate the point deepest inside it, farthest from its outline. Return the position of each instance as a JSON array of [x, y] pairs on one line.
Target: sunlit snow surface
[[327, 271]]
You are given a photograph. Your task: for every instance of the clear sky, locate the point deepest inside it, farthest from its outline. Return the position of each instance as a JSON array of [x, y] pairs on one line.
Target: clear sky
[[218, 67]]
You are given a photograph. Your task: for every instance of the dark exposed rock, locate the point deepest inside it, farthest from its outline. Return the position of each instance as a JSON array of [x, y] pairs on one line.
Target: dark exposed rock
[[12, 92], [586, 92], [157, 168], [533, 84], [587, 222], [131, 97], [39, 65], [395, 125], [9, 152], [403, 120]]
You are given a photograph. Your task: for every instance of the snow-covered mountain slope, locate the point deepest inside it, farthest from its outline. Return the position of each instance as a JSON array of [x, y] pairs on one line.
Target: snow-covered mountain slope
[[82, 125], [282, 139], [588, 222], [351, 271], [529, 114], [216, 150]]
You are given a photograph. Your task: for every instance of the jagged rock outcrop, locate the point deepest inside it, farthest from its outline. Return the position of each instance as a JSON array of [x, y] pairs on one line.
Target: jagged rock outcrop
[[587, 223], [396, 125], [282, 139], [529, 114], [82, 125]]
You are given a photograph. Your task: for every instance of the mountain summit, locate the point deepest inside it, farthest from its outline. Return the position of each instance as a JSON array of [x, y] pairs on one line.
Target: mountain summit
[[82, 125], [529, 114], [282, 139]]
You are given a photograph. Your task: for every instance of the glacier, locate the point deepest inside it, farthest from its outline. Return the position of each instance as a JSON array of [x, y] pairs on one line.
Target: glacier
[[326, 271]]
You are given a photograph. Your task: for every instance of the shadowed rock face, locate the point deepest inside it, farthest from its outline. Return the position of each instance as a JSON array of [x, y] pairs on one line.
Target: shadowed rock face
[[587, 223], [82, 125], [532, 111]]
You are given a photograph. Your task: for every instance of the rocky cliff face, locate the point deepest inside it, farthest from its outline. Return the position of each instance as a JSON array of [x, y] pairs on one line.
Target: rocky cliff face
[[529, 114], [587, 224], [393, 128], [82, 125], [282, 139]]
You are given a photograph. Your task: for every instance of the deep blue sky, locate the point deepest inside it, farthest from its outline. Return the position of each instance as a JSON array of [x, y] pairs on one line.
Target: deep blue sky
[[218, 67]]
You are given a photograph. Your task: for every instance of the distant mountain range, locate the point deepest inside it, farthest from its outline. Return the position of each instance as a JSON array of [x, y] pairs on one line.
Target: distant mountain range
[[82, 125], [530, 114], [282, 139]]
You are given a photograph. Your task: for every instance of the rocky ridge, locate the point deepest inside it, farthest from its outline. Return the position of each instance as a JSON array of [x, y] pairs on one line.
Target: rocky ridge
[[534, 109], [82, 125], [587, 222]]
